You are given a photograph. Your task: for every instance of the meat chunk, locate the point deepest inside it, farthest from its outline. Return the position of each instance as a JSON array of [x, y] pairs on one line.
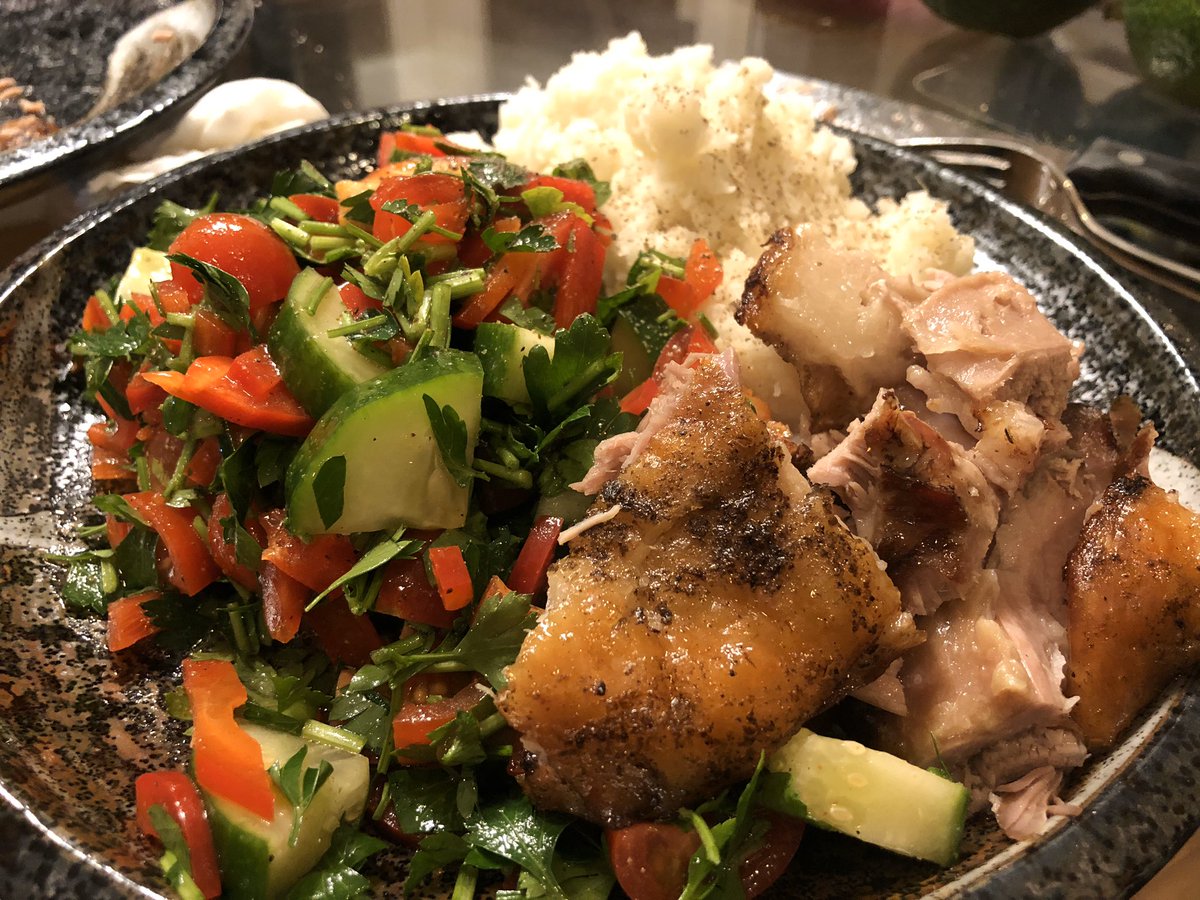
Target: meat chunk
[[1133, 598], [721, 607], [920, 501], [984, 340], [832, 313]]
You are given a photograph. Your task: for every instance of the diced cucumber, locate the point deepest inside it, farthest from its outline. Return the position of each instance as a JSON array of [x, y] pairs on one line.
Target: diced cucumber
[[394, 473], [871, 795], [502, 349], [256, 857], [145, 265], [640, 330], [316, 368]]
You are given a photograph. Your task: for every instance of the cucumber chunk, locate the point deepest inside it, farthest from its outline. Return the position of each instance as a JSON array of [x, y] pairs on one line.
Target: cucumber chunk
[[502, 349], [871, 795], [257, 860], [640, 330], [394, 473], [316, 368]]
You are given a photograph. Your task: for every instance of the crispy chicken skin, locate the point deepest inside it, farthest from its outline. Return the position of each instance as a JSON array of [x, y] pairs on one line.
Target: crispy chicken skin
[[1133, 599], [720, 608]]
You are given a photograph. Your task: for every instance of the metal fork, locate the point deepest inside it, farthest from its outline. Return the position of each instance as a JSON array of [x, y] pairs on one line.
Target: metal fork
[[1026, 176]]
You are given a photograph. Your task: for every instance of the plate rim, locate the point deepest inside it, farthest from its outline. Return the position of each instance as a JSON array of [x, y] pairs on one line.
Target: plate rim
[[1152, 313], [179, 86]]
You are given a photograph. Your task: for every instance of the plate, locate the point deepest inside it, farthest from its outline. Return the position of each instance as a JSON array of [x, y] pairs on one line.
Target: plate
[[77, 726], [60, 51]]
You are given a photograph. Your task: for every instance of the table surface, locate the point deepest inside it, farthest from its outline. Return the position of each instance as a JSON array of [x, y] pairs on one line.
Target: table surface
[[1062, 90]]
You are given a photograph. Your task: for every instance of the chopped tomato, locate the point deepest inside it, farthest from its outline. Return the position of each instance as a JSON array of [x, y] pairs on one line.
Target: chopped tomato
[[406, 142], [256, 372], [178, 797], [356, 300], [316, 564], [116, 530], [209, 384], [407, 594], [223, 552], [473, 252], [162, 451], [128, 622], [191, 568], [650, 859], [763, 866], [573, 190], [142, 396], [283, 600], [94, 317], [109, 466], [528, 574], [116, 435], [206, 459], [323, 209], [445, 195], [343, 636], [241, 246], [513, 275], [413, 723], [582, 277], [228, 761], [638, 400], [452, 577], [211, 336]]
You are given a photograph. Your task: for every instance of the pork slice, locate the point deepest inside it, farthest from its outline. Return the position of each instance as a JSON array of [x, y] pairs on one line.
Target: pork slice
[[835, 315], [984, 340], [917, 498]]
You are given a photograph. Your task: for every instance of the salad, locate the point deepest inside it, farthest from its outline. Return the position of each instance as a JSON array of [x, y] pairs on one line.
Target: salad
[[340, 432]]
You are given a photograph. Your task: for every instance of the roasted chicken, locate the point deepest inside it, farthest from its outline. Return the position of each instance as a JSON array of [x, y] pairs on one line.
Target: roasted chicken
[[719, 607]]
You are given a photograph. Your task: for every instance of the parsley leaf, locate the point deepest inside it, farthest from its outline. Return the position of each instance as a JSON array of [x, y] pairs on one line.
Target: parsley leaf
[[436, 852], [500, 626], [580, 170], [299, 784], [532, 318], [425, 799], [713, 870], [533, 238], [329, 485], [513, 830], [581, 366], [545, 201], [225, 295], [306, 179], [359, 209], [336, 876], [171, 218], [362, 713], [450, 432], [84, 588]]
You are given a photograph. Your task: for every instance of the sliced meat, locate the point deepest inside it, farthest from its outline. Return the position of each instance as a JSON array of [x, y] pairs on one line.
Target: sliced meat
[[984, 340], [921, 502], [724, 605], [1133, 598], [835, 315]]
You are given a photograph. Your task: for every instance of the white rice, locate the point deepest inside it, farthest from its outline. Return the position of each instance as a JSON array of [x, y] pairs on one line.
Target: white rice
[[697, 150]]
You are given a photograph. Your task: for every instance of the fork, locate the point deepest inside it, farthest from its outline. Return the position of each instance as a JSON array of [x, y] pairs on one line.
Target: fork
[[1022, 174]]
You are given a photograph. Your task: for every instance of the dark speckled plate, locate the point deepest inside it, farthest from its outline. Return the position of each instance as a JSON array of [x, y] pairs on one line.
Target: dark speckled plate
[[59, 50], [76, 725]]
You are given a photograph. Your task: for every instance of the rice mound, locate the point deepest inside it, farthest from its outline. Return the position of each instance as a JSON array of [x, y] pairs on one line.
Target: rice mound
[[697, 150]]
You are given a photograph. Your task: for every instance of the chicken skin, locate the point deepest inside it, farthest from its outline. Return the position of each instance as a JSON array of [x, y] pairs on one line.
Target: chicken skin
[[720, 607]]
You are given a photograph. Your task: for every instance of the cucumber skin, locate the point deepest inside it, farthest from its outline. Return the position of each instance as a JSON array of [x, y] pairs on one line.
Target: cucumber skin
[[243, 857], [451, 377], [807, 747], [315, 379], [502, 349]]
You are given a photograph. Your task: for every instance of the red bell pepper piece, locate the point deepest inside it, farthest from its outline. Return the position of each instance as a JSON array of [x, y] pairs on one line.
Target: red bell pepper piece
[[323, 209], [452, 577], [192, 569], [407, 142], [177, 795], [128, 623], [228, 761], [445, 195], [317, 564], [528, 574], [283, 600], [407, 594]]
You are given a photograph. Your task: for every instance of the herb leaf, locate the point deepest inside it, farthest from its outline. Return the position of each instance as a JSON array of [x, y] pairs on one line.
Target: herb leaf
[[581, 366], [383, 551], [176, 861], [336, 876], [435, 852], [299, 785], [226, 296], [450, 432], [533, 238], [329, 485], [171, 218], [513, 830], [580, 170], [306, 179]]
